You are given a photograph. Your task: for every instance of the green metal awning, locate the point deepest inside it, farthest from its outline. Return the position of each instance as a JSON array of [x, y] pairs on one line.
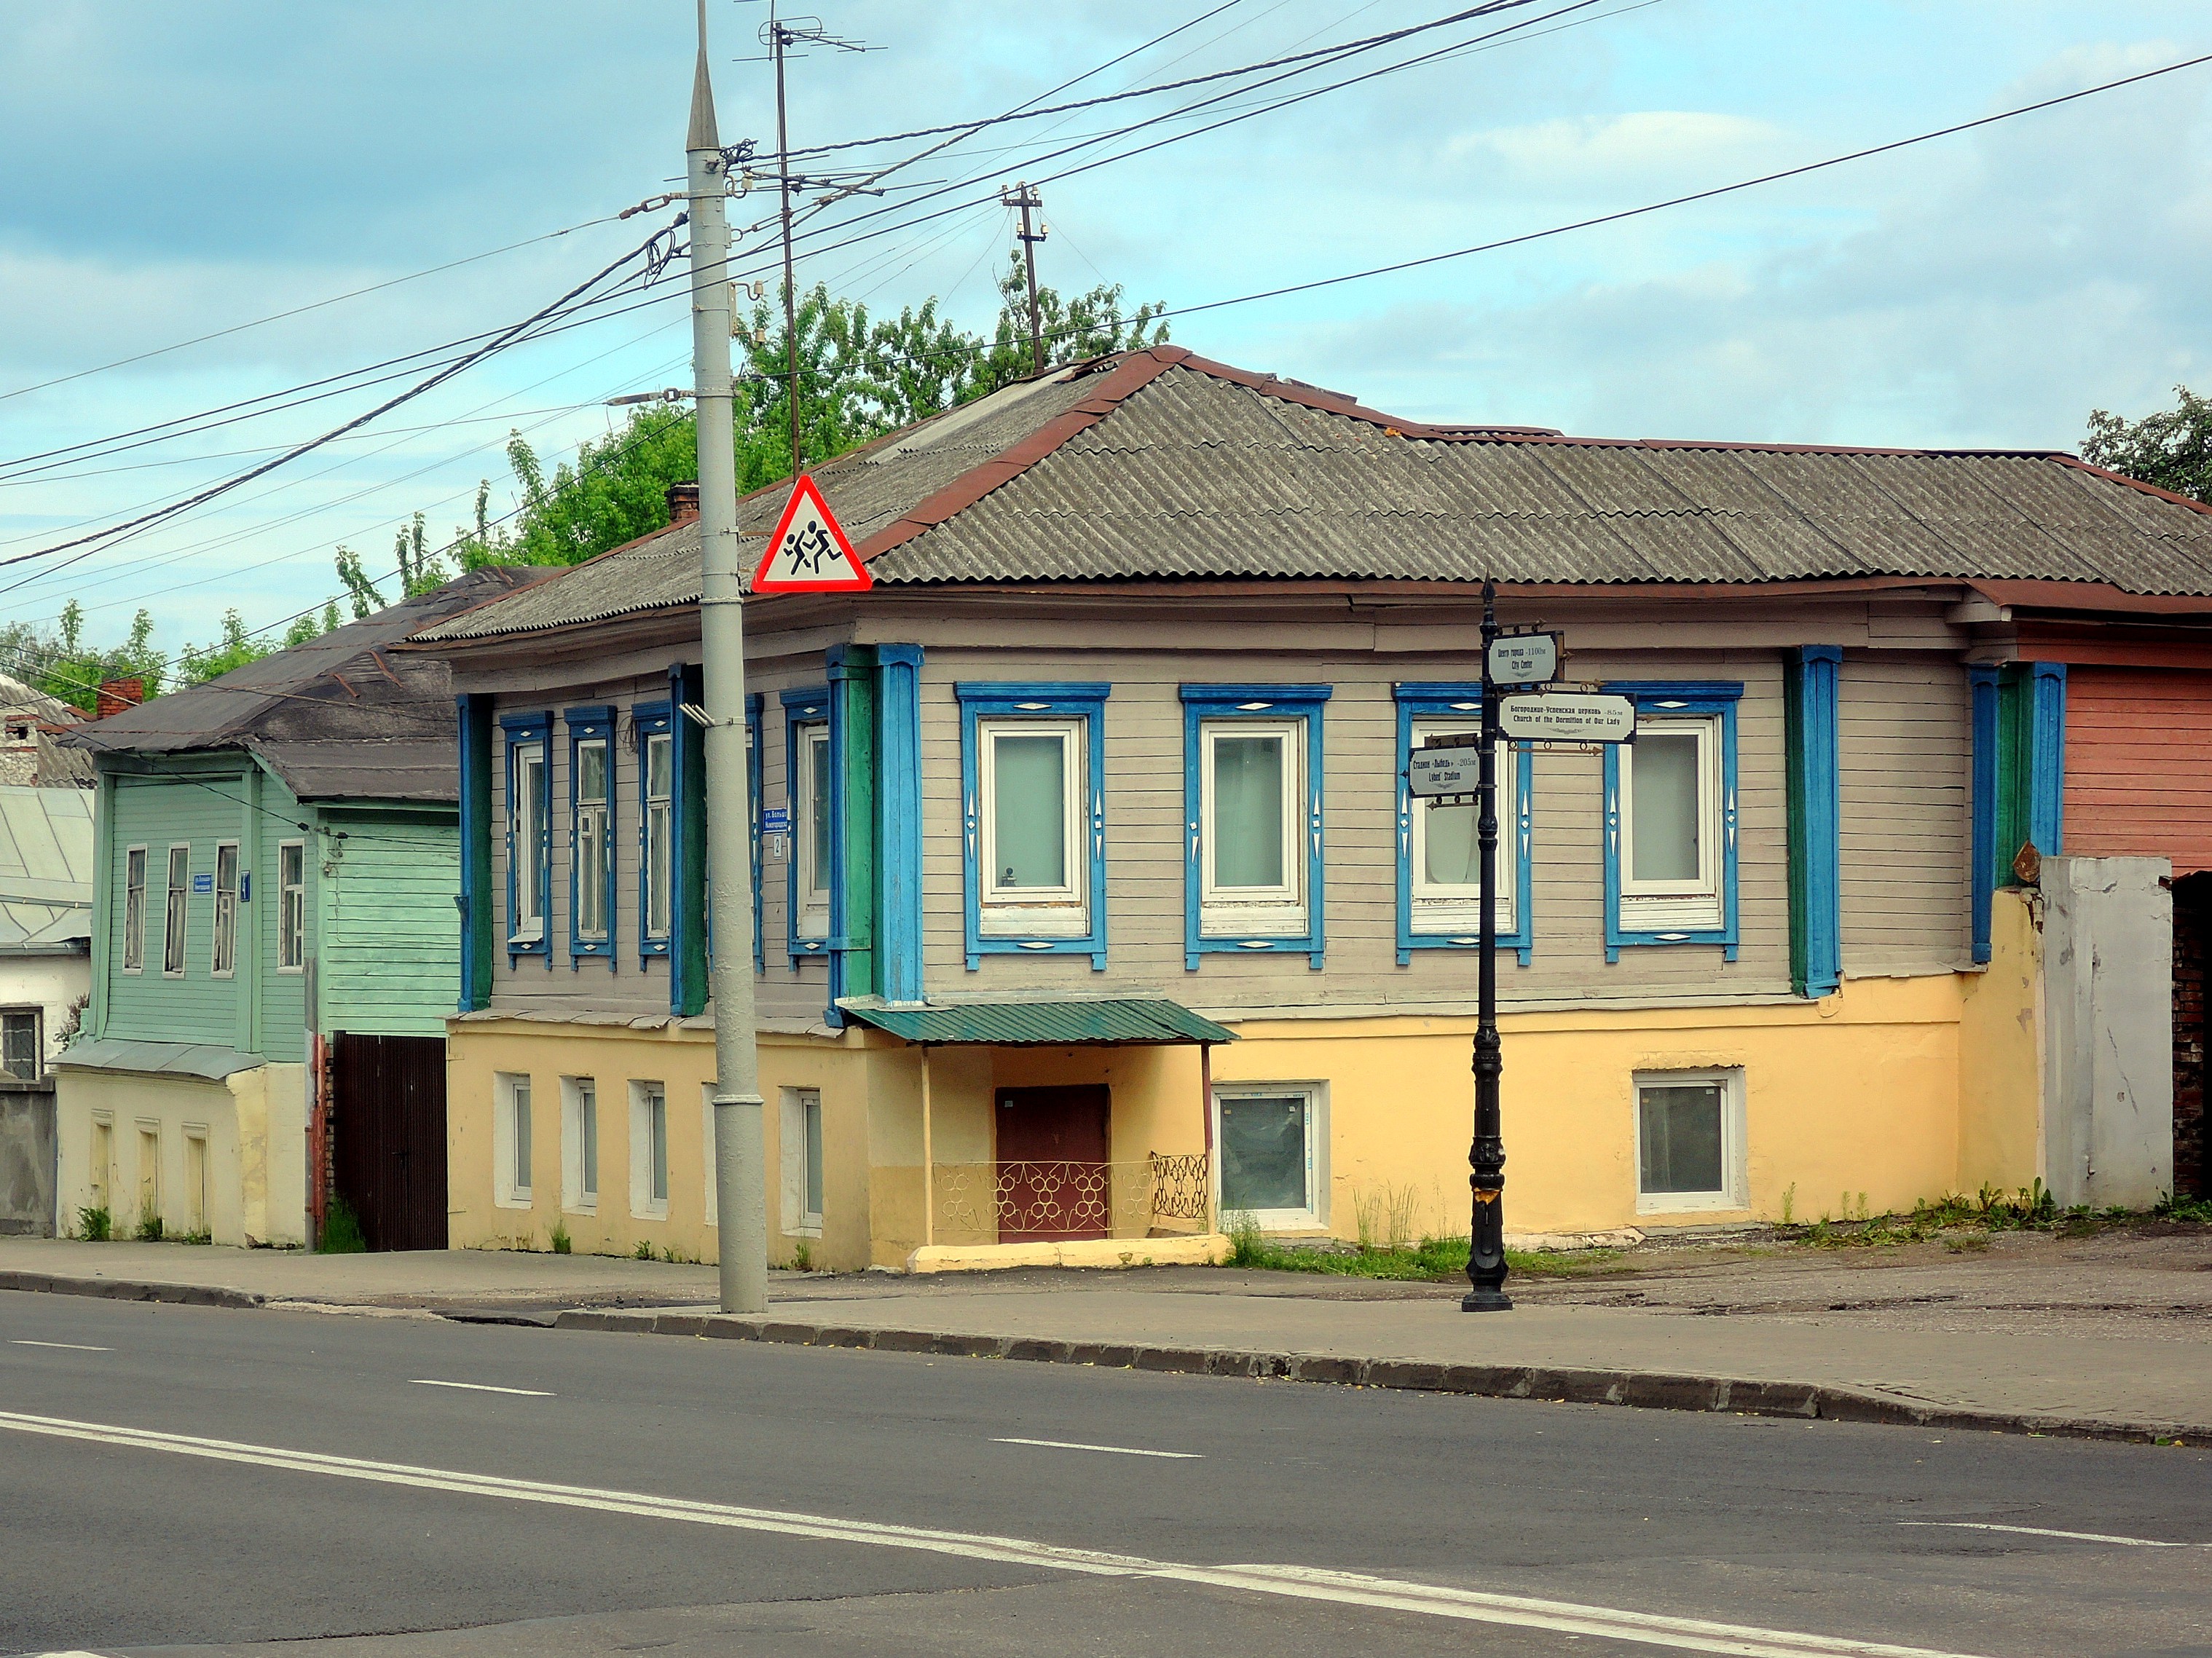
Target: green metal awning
[[1042, 1025]]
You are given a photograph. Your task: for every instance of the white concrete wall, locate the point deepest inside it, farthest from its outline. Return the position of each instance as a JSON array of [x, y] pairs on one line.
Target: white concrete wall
[[2108, 997], [50, 983]]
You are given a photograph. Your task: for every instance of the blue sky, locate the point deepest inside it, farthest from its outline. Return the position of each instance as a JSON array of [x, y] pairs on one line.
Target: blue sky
[[176, 168]]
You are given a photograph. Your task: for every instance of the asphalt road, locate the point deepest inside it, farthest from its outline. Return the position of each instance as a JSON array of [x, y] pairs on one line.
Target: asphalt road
[[213, 1478]]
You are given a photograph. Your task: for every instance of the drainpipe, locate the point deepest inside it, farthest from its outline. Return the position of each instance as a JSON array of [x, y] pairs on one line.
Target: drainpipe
[[1205, 1119]]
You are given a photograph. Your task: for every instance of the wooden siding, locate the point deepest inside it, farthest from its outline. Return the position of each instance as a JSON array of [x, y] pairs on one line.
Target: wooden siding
[[1143, 829], [1905, 752], [389, 963], [2139, 765]]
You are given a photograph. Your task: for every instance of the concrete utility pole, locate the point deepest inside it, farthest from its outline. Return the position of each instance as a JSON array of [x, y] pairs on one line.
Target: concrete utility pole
[[1026, 199], [779, 38], [740, 1179]]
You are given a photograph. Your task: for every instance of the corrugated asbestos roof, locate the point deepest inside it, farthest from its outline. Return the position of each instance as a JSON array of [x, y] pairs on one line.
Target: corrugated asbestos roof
[[46, 870], [339, 717], [1160, 465], [1028, 1024]]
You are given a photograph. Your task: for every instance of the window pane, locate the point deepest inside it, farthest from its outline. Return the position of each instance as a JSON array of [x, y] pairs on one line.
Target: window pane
[[658, 826], [659, 1107], [813, 1108], [1681, 1136], [591, 771], [1664, 774], [657, 762], [134, 907], [588, 1106], [522, 1137], [1029, 810], [1263, 1154], [19, 1044], [592, 872], [817, 808], [1247, 812], [1450, 856]]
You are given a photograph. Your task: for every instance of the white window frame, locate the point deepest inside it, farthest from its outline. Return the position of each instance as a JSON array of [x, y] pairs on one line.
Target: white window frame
[[1450, 907], [580, 1145], [813, 796], [291, 911], [134, 910], [1060, 911], [176, 914], [532, 877], [799, 1220], [512, 1118], [644, 1202], [658, 810], [1255, 912], [1315, 1217], [1696, 905], [591, 829], [1736, 1194], [222, 937], [37, 1016]]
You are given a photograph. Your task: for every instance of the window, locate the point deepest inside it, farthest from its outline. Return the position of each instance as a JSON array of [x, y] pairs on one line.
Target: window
[[196, 1192], [22, 1052], [174, 909], [1439, 869], [1253, 789], [579, 1144], [814, 860], [1671, 820], [134, 909], [291, 906], [1033, 786], [1273, 1145], [149, 1173], [529, 835], [511, 1140], [1690, 1141], [802, 1162], [648, 1151], [591, 831], [223, 959], [102, 1170]]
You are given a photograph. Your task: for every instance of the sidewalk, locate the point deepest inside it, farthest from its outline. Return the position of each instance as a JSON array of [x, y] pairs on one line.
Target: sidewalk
[[2105, 1337]]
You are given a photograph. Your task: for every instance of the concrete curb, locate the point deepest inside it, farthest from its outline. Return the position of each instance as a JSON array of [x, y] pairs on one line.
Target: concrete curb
[[1644, 1390]]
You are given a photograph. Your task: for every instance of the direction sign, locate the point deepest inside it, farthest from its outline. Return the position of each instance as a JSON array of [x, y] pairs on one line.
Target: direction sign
[[809, 553], [1567, 717], [1523, 659], [1445, 767]]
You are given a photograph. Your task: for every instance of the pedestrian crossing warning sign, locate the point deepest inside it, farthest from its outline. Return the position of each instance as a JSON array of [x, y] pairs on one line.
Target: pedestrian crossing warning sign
[[808, 553]]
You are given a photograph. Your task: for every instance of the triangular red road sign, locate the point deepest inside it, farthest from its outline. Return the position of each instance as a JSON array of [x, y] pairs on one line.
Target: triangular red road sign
[[808, 553]]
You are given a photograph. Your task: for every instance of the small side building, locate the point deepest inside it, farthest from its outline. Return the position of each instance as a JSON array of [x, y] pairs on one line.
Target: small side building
[[274, 950], [45, 941]]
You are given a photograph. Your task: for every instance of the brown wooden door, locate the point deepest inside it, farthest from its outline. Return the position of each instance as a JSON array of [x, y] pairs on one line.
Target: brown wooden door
[[388, 1119], [1054, 1182]]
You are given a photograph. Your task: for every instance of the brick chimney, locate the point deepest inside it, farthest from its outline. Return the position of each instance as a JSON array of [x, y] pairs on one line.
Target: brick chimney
[[682, 504], [117, 695]]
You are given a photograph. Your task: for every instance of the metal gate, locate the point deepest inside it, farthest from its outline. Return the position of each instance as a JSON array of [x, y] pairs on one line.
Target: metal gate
[[388, 1123]]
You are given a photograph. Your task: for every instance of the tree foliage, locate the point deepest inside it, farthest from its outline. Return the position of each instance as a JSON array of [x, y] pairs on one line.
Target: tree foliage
[[2171, 449], [60, 663]]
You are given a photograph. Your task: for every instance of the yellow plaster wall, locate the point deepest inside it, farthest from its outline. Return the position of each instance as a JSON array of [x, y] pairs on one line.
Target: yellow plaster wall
[[2001, 1053]]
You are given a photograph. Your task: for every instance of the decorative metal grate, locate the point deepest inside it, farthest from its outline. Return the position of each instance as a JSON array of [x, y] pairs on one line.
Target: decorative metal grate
[[990, 1203]]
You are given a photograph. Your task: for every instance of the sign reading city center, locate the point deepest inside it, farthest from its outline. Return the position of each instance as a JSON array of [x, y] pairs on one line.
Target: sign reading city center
[[1567, 717], [1523, 659]]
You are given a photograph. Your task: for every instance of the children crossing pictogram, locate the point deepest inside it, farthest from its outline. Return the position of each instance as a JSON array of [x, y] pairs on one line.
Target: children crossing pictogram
[[809, 553]]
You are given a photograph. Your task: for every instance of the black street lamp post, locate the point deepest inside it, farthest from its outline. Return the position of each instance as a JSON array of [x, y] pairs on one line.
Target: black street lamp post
[[1486, 1260]]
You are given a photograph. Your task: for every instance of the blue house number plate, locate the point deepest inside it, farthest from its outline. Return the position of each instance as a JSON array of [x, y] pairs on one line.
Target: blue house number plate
[[203, 883]]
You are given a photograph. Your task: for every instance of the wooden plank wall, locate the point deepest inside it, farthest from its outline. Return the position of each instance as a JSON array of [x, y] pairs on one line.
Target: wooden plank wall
[[1906, 753], [2139, 765], [390, 962]]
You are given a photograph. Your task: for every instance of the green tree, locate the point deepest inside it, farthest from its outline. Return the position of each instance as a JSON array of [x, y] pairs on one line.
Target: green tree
[[233, 648], [1089, 326], [63, 665], [2171, 449]]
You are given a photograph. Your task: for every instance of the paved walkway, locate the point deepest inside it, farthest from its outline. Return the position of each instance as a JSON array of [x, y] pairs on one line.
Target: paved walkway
[[2108, 1335]]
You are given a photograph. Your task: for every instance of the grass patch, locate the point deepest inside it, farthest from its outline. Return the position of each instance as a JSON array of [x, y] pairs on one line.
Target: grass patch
[[1430, 1260], [342, 1234], [148, 1229], [563, 1244]]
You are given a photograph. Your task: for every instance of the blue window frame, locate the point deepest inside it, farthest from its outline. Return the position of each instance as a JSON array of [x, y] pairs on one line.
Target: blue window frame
[[591, 832], [810, 774], [1033, 819], [528, 834], [1438, 899], [1253, 845], [753, 703], [655, 726], [1674, 880]]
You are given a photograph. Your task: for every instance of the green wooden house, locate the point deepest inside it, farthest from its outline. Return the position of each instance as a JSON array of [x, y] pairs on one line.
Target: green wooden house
[[275, 946]]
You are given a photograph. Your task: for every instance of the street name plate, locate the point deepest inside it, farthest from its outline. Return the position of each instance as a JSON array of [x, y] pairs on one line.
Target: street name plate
[[1567, 717], [1437, 769], [1523, 659]]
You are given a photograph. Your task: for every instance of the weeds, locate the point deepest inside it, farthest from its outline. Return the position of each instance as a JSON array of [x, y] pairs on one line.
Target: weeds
[[644, 1250], [1428, 1260], [1789, 1203], [95, 1225], [342, 1234], [148, 1229], [1384, 1219], [802, 1256], [559, 1238]]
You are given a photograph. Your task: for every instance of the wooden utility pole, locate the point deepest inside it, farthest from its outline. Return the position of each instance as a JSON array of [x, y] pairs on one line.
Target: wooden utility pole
[[1027, 199]]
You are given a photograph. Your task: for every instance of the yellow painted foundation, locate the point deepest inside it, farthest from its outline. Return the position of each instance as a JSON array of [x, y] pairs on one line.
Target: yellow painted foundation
[[1890, 1091]]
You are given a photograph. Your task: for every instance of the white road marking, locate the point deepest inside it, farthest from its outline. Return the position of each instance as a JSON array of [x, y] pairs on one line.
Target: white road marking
[[1295, 1582], [74, 1346], [2071, 1536], [1118, 1450], [480, 1388]]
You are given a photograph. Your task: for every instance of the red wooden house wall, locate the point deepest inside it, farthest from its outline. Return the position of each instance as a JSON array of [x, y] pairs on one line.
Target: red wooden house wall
[[2139, 765]]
